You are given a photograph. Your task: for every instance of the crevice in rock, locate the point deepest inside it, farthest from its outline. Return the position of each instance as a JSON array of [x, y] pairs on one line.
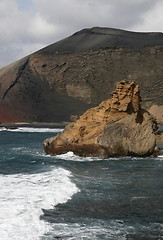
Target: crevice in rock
[[139, 117], [21, 69]]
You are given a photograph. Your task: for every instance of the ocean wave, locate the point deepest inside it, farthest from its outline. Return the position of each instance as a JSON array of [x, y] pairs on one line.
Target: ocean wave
[[23, 196], [30, 129], [70, 156]]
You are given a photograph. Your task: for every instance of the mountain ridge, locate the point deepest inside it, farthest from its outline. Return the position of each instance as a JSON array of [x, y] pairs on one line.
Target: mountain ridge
[[108, 40]]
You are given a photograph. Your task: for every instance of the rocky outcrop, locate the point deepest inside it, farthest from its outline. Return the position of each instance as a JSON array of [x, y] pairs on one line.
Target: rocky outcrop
[[157, 111], [117, 127], [79, 72]]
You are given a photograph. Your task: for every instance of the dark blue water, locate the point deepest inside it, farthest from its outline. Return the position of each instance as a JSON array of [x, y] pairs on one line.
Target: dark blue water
[[69, 197]]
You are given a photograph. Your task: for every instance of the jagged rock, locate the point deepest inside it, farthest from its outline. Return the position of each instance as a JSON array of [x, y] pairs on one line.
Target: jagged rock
[[117, 127]]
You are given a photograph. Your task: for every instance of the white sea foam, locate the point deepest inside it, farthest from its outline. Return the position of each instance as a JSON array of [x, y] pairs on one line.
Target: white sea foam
[[70, 156], [23, 196], [30, 129]]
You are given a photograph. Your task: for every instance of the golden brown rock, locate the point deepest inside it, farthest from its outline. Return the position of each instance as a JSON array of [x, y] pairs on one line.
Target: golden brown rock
[[117, 127]]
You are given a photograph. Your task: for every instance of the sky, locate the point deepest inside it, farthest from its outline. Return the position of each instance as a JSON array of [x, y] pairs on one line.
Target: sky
[[29, 25]]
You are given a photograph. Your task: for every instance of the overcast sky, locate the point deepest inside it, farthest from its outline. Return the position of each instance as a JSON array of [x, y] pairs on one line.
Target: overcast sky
[[28, 25]]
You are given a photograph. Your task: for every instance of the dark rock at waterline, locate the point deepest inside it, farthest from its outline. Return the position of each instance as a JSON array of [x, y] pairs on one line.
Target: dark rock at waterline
[[66, 78], [117, 127]]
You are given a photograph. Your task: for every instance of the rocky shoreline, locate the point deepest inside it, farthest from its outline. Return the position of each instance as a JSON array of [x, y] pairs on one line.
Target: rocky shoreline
[[62, 125]]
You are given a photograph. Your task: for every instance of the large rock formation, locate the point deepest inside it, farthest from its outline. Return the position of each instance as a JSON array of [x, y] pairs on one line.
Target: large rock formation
[[117, 127], [74, 74]]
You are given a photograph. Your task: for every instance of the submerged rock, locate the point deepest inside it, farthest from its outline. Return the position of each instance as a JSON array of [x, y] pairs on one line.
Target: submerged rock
[[117, 127]]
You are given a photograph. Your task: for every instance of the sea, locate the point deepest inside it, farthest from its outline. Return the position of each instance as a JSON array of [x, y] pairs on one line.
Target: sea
[[68, 197]]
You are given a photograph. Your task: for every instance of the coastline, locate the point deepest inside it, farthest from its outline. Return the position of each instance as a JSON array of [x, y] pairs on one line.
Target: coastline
[[33, 125], [61, 125]]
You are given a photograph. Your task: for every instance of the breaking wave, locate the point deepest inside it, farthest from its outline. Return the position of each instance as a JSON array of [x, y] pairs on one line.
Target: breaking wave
[[23, 196], [30, 129]]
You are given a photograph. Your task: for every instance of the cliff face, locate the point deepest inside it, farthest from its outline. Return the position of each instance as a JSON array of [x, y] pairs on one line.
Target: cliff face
[[70, 76], [117, 127]]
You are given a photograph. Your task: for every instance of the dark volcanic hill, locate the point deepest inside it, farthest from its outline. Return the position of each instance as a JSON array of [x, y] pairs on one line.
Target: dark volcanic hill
[[67, 77]]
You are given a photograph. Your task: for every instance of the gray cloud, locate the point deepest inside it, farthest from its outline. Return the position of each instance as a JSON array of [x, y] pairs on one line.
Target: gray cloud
[[27, 28], [75, 14]]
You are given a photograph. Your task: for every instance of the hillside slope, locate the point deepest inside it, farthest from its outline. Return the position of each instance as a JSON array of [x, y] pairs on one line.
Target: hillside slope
[[67, 77]]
